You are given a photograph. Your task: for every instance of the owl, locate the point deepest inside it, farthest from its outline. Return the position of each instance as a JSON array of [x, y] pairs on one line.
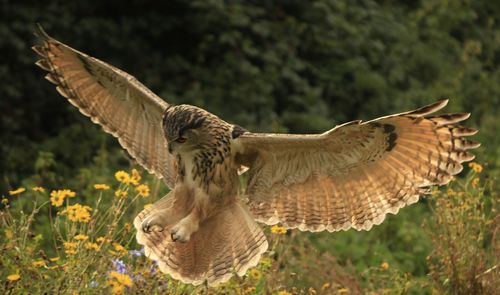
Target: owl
[[206, 229]]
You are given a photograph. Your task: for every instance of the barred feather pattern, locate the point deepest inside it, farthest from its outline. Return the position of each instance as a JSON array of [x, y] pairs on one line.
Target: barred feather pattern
[[113, 99], [228, 243], [356, 173]]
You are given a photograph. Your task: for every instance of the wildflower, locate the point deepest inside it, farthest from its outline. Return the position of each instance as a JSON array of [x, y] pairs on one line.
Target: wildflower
[[17, 191], [311, 291], [475, 182], [54, 259], [101, 186], [122, 177], [13, 277], [384, 265], [102, 240], [143, 190], [38, 189], [118, 282], [93, 284], [325, 286], [38, 263], [78, 213], [249, 290], [255, 274], [8, 234], [57, 197], [476, 167], [91, 246], [119, 266], [70, 245], [279, 230], [5, 201], [284, 292], [127, 227], [137, 253], [119, 248], [147, 206], [121, 194], [81, 237], [136, 177], [343, 290], [451, 192], [70, 252]]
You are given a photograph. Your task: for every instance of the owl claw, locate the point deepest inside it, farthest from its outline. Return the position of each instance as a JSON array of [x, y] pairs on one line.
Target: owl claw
[[152, 224], [178, 233]]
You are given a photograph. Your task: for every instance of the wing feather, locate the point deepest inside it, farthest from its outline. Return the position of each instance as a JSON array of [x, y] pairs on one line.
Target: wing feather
[[354, 174], [113, 99]]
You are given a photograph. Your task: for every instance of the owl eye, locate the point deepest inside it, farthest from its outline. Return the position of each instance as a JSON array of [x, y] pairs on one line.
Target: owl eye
[[181, 139]]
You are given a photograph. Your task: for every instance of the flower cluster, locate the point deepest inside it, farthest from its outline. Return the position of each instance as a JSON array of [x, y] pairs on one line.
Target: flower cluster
[[78, 213], [101, 186], [118, 282], [476, 167], [57, 197]]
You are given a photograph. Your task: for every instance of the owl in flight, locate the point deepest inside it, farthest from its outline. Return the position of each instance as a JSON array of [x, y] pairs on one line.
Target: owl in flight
[[205, 229]]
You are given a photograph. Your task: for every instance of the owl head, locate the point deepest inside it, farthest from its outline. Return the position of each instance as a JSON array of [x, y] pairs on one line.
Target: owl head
[[188, 128]]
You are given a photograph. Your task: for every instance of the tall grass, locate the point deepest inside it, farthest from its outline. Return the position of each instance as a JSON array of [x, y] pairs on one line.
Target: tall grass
[[58, 242]]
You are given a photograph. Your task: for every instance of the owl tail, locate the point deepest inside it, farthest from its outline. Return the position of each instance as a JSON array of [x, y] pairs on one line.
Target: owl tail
[[229, 242]]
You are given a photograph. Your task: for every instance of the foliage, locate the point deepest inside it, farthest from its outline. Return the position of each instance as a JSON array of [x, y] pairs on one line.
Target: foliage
[[93, 249]]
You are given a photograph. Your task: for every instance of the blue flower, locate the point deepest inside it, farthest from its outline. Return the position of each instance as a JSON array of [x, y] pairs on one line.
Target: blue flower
[[137, 253], [119, 266]]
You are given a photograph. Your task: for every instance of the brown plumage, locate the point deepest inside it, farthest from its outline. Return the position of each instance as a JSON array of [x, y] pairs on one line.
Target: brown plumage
[[348, 177]]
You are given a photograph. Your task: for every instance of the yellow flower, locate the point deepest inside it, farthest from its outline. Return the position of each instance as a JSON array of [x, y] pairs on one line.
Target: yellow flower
[[475, 182], [57, 197], [476, 167], [81, 237], [70, 252], [5, 201], [143, 190], [311, 291], [249, 290], [121, 194], [118, 282], [91, 246], [343, 290], [13, 278], [451, 192], [284, 292], [325, 286], [127, 226], [78, 213], [279, 230], [121, 278], [54, 259], [255, 274], [38, 189], [38, 263], [119, 248], [147, 206], [8, 234], [101, 186], [102, 240], [136, 177], [122, 177], [70, 245], [17, 191], [384, 265]]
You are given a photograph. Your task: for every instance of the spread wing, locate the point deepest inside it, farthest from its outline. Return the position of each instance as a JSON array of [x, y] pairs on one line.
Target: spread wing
[[354, 174], [113, 99]]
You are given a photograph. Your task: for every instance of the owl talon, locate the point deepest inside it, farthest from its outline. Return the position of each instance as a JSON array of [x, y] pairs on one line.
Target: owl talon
[[178, 233], [152, 224]]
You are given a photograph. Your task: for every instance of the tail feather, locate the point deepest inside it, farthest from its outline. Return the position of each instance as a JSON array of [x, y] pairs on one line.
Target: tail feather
[[227, 243]]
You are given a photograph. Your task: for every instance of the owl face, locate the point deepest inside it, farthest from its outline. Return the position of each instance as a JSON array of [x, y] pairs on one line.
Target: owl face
[[187, 128]]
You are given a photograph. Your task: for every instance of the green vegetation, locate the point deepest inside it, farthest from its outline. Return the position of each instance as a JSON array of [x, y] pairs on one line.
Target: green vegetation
[[282, 66]]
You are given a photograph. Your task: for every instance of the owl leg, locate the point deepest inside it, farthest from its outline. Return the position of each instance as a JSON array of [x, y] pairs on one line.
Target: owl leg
[[183, 230], [188, 225]]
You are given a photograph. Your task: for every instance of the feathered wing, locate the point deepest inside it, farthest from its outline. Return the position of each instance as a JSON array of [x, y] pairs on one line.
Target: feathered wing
[[113, 99], [354, 174], [227, 243]]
